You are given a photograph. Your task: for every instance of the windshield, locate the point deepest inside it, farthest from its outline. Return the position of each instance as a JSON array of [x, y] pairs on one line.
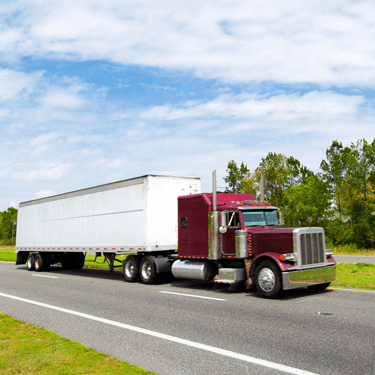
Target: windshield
[[262, 218]]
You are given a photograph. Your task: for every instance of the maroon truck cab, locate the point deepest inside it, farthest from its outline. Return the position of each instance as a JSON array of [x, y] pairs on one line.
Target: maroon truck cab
[[240, 239]]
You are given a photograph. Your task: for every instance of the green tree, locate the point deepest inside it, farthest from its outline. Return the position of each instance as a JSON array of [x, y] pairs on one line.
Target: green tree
[[280, 173], [333, 172], [236, 176], [349, 172], [309, 203], [7, 218]]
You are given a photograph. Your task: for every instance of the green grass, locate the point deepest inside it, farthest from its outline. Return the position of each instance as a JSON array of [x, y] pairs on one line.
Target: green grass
[[7, 248], [355, 275], [351, 250], [27, 349], [8, 255]]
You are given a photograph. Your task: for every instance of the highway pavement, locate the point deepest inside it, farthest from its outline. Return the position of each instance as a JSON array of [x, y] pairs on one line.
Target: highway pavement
[[354, 259], [185, 327]]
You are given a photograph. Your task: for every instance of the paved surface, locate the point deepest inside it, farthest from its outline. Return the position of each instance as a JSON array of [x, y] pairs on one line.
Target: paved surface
[[288, 331], [354, 259]]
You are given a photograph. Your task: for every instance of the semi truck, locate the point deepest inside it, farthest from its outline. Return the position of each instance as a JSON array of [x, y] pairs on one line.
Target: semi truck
[[165, 225]]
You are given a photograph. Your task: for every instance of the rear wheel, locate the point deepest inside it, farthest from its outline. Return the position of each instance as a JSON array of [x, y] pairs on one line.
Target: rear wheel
[[268, 279], [131, 268], [148, 270], [318, 287], [40, 262], [30, 262]]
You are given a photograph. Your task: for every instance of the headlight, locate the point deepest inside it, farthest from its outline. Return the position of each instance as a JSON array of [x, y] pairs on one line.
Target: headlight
[[288, 257], [329, 253]]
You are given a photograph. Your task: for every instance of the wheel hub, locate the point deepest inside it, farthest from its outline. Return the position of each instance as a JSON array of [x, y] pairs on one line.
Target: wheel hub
[[129, 269], [146, 270], [266, 279]]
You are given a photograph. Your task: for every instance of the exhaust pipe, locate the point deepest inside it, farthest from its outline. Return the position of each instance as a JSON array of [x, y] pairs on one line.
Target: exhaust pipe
[[214, 206], [261, 187], [213, 235]]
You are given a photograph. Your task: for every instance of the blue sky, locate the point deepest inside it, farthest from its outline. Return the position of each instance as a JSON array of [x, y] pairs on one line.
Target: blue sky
[[98, 91]]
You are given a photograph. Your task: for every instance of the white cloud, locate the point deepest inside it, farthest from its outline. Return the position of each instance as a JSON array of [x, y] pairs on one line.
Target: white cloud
[[61, 133], [312, 105], [43, 139], [61, 98], [45, 193], [324, 42], [44, 173], [13, 83]]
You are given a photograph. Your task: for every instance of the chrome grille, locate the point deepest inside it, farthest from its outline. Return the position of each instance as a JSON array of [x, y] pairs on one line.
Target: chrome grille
[[312, 249]]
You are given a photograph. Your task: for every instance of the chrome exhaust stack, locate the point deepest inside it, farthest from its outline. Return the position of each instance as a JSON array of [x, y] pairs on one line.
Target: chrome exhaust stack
[[213, 234], [261, 188]]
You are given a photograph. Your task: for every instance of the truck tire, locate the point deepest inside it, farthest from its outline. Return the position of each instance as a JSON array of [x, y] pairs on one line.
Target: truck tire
[[148, 270], [131, 268], [318, 287], [39, 262], [30, 262], [267, 279], [77, 261]]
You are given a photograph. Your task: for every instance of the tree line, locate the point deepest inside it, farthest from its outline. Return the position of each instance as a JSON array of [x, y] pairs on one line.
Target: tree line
[[8, 220], [340, 198]]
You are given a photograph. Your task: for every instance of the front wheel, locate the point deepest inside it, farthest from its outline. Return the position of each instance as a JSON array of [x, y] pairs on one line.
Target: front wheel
[[148, 270], [268, 279]]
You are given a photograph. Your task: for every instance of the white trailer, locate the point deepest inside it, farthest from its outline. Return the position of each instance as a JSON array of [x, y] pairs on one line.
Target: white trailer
[[135, 215]]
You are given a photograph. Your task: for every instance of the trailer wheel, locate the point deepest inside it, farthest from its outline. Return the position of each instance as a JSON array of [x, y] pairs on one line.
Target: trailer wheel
[[131, 268], [318, 287], [30, 262], [267, 279], [78, 261], [148, 270], [39, 262]]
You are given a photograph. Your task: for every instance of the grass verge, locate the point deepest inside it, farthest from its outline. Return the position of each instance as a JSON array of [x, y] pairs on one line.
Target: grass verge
[[9, 255], [355, 275], [27, 349], [351, 250]]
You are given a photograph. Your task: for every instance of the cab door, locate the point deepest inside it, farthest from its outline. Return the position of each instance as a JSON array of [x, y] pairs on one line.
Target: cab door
[[228, 239]]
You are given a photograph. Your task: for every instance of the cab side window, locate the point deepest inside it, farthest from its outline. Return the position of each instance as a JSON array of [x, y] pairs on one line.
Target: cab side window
[[233, 219]]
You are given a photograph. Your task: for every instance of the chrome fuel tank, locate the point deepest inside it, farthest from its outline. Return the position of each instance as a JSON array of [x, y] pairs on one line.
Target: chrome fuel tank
[[194, 270]]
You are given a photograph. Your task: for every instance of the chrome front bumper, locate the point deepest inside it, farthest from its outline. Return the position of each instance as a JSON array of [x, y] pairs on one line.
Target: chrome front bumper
[[299, 278]]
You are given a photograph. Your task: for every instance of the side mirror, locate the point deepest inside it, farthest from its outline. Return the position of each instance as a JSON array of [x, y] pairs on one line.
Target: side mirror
[[281, 217], [223, 220]]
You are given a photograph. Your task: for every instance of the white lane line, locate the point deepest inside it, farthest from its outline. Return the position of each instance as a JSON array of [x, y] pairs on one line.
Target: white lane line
[[192, 344], [50, 277], [192, 295]]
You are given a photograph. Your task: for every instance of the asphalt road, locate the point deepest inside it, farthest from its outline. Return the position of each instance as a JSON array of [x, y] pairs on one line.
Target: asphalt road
[[167, 329], [354, 259]]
